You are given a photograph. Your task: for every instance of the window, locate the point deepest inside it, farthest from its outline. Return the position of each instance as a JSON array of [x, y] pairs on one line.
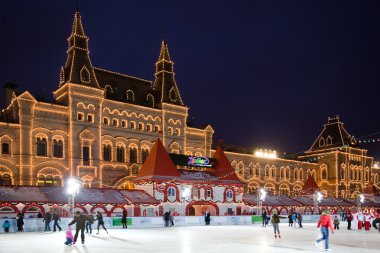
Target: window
[[41, 147], [90, 118], [130, 95], [120, 154], [5, 150], [132, 155], [208, 192], [144, 155], [123, 123], [115, 122], [149, 128], [105, 121], [132, 125], [85, 75], [156, 129], [107, 150], [57, 148], [324, 174], [170, 130], [86, 155], [229, 194], [195, 193], [171, 192], [5, 180], [141, 126], [80, 116], [176, 132]]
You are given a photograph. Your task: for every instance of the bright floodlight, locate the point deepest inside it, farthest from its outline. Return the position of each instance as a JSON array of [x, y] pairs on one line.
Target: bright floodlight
[[263, 194], [319, 196], [361, 198], [186, 192], [266, 154], [72, 186]]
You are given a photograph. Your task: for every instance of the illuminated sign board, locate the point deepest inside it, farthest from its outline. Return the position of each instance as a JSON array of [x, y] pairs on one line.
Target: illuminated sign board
[[199, 161]]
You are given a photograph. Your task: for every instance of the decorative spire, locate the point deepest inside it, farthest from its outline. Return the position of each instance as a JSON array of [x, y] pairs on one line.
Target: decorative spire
[[78, 68], [165, 84]]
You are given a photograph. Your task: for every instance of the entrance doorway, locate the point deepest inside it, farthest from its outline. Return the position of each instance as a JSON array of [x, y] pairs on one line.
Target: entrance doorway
[[197, 209]]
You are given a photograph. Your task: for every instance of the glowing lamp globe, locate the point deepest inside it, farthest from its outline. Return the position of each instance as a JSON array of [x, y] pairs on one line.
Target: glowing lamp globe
[[73, 186]]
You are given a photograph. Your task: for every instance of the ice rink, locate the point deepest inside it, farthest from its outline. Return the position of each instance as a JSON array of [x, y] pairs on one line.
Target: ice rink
[[240, 238]]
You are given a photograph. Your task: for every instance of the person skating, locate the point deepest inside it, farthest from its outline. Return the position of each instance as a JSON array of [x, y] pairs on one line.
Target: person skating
[[294, 218], [367, 221], [325, 224], [349, 218], [124, 219], [171, 219], [336, 223], [20, 222], [69, 237], [290, 220], [299, 218], [264, 217], [99, 218], [275, 223], [166, 219], [80, 221], [56, 218], [89, 222], [6, 226], [207, 218], [47, 220]]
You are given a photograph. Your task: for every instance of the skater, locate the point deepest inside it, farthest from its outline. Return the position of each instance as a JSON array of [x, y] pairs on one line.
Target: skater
[[166, 219], [69, 237], [39, 215], [99, 218], [367, 221], [56, 218], [275, 223], [89, 222], [6, 226], [290, 220], [349, 218], [207, 218], [325, 224], [294, 218], [124, 219], [80, 220], [264, 216], [47, 221], [336, 223], [171, 218], [299, 218], [20, 222]]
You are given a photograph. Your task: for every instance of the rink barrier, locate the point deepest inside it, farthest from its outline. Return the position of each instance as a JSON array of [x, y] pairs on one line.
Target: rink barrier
[[36, 224]]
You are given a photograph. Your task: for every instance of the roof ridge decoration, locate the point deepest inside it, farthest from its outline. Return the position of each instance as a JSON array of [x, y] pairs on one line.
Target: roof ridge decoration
[[165, 83], [78, 58], [158, 165]]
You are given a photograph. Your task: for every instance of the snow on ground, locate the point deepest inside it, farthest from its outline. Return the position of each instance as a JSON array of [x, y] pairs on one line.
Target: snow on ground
[[239, 238]]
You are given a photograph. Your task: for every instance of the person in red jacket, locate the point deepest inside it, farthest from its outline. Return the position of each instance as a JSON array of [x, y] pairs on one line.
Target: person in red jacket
[[325, 224]]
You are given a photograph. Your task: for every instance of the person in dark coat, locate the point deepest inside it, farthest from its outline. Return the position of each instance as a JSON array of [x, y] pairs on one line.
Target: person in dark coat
[[290, 217], [124, 219], [20, 222], [349, 218], [264, 216], [99, 218], [89, 222], [207, 218], [299, 218], [39, 215], [80, 221], [56, 218], [166, 219], [47, 221]]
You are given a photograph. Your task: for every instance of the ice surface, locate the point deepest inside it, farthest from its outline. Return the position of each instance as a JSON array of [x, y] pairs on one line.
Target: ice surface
[[240, 239]]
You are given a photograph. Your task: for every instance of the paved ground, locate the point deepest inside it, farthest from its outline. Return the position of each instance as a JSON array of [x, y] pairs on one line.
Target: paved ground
[[240, 239]]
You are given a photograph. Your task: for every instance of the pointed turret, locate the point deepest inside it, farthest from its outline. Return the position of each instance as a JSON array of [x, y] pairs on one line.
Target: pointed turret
[[158, 165], [165, 84], [78, 68], [310, 186], [223, 167]]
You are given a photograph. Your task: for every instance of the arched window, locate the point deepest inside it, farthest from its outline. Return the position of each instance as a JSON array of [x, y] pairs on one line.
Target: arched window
[[328, 141], [130, 96], [115, 122], [5, 180], [321, 142], [133, 155], [107, 152], [120, 154], [41, 146], [144, 154], [171, 192], [343, 171], [123, 123], [85, 75], [170, 130], [172, 95], [150, 100], [5, 148], [324, 173], [132, 125], [105, 121], [177, 132], [58, 148], [229, 194]]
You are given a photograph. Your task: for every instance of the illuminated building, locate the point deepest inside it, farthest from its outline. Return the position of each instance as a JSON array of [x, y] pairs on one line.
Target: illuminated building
[[102, 126]]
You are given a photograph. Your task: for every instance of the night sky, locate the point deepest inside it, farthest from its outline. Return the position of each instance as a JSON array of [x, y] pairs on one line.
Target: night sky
[[263, 73]]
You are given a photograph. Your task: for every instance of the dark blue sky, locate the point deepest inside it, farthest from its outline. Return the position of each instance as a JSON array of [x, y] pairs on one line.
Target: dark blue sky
[[262, 73]]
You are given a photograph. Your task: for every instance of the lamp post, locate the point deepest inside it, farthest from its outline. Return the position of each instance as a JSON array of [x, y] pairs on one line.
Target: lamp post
[[318, 196], [261, 194], [185, 196], [360, 201], [73, 186]]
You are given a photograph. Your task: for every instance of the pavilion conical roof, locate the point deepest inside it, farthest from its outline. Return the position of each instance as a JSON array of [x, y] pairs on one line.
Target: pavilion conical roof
[[223, 167]]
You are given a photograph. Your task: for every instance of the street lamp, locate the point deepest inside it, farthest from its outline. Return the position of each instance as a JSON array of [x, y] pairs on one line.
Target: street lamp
[[318, 196], [361, 199], [72, 189], [186, 191], [260, 199]]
